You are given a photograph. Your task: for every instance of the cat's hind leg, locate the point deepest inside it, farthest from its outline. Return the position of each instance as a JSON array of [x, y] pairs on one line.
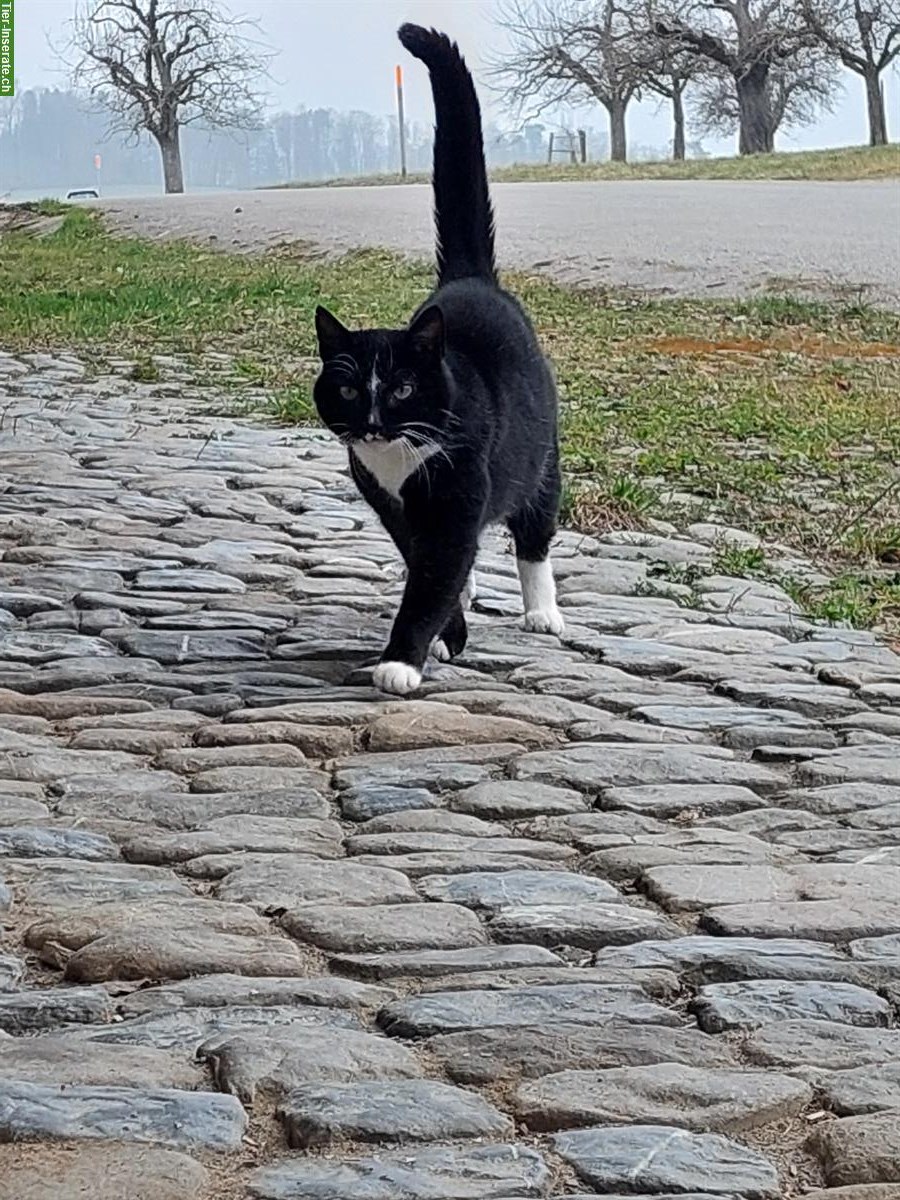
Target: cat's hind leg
[[453, 637], [533, 527], [469, 592], [455, 634]]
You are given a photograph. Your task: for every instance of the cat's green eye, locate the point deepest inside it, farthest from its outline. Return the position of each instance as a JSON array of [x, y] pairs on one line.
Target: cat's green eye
[[403, 392], [349, 393]]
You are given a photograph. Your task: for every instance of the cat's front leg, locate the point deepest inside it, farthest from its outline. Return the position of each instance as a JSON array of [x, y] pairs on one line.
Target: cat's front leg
[[438, 569]]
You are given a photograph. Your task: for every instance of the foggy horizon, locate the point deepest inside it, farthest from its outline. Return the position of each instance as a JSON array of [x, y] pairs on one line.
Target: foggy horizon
[[340, 54]]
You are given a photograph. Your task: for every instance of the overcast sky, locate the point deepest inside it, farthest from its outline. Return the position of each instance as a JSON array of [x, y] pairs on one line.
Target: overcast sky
[[341, 54]]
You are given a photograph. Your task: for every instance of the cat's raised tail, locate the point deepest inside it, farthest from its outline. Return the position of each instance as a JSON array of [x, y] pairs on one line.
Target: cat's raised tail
[[464, 219]]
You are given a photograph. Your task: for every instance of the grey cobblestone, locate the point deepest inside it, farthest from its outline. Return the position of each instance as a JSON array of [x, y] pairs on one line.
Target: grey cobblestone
[[229, 865], [396, 1111], [665, 1094]]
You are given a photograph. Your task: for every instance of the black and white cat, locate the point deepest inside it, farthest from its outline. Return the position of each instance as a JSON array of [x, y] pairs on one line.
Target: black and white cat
[[450, 423]]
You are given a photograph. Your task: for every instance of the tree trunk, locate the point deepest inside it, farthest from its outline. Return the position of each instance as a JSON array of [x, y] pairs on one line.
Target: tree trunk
[[877, 117], [757, 135], [618, 148], [678, 116], [170, 149]]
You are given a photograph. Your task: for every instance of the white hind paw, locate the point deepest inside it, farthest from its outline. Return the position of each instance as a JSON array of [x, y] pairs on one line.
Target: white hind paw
[[545, 620], [440, 651], [397, 678], [469, 593]]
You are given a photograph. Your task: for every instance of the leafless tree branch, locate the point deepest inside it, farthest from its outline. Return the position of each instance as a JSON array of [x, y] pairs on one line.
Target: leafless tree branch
[[568, 51], [763, 47], [798, 92], [865, 36], [158, 65]]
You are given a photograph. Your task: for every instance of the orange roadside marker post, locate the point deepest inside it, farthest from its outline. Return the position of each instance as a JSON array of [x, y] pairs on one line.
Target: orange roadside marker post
[[400, 121]]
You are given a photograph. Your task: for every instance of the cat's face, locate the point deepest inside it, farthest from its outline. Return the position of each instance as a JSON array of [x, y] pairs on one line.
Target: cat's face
[[382, 384]]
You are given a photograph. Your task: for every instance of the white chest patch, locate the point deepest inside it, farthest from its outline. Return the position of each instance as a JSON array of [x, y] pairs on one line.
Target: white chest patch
[[392, 463]]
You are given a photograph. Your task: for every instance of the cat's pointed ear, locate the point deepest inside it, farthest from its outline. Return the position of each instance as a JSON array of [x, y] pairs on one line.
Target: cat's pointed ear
[[426, 333], [331, 333]]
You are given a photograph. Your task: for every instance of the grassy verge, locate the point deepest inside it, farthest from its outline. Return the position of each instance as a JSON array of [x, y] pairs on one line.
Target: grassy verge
[[847, 163], [778, 415]]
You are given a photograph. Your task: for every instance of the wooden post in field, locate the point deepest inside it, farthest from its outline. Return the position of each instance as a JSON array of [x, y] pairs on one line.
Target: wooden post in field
[[402, 124], [550, 150]]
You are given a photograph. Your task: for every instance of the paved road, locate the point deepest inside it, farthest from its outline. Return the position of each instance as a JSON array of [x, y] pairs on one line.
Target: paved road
[[528, 923], [686, 238]]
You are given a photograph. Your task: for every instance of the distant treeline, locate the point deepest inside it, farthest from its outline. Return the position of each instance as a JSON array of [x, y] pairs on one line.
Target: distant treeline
[[48, 139]]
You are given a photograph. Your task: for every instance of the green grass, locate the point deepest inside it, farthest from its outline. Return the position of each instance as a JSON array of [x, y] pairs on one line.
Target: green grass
[[852, 599], [145, 370], [742, 562], [778, 415], [849, 599], [48, 207], [83, 287], [851, 162]]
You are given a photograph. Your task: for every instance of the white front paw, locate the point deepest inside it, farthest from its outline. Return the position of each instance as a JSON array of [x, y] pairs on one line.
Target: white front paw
[[545, 620], [396, 677], [440, 651]]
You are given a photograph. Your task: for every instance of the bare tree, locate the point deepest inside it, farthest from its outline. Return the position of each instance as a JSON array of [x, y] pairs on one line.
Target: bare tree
[[569, 51], [158, 65], [865, 36], [670, 78], [748, 39], [666, 68], [798, 90]]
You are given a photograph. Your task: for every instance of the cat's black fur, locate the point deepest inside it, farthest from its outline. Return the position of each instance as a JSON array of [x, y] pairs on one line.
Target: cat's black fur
[[466, 383]]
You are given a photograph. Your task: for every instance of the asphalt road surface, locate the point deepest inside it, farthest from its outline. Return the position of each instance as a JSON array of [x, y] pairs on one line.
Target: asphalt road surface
[[690, 238]]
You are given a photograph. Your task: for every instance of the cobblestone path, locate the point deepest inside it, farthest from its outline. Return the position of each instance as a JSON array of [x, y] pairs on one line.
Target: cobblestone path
[[612, 916]]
